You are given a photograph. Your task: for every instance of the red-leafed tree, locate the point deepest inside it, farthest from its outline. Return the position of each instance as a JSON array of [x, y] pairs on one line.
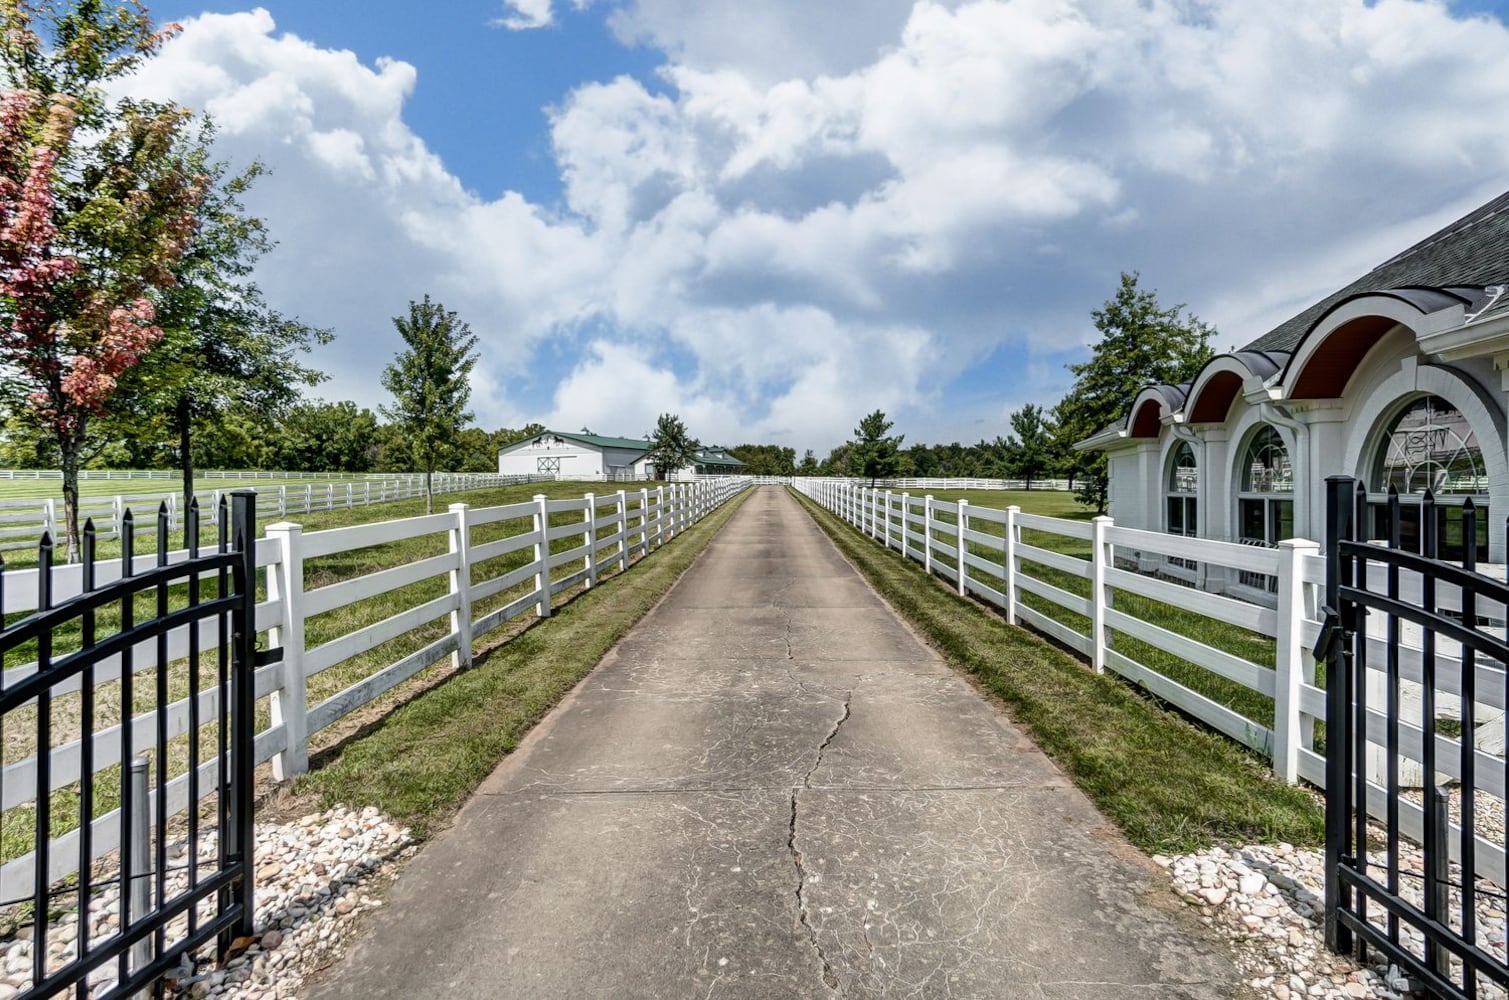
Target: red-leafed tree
[[98, 199]]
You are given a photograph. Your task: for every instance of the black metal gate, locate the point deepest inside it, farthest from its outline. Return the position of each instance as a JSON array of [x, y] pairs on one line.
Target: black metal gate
[[118, 885], [1420, 916]]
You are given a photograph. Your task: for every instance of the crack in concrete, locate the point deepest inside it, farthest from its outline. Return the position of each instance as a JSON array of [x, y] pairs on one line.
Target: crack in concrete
[[830, 979]]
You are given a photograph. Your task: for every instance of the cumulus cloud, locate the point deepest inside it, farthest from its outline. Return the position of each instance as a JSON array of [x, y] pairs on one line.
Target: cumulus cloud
[[825, 208]]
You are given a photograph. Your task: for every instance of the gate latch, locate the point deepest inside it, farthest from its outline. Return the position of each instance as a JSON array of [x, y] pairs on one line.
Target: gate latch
[[1330, 634]]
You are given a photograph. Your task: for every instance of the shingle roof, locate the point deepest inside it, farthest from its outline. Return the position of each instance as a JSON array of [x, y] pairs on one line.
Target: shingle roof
[[1464, 257]]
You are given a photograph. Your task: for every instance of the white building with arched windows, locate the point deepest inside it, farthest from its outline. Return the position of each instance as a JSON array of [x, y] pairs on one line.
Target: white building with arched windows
[[1399, 379]]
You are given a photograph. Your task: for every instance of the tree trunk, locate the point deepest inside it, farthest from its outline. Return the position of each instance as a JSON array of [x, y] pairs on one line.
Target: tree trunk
[[69, 459], [181, 413]]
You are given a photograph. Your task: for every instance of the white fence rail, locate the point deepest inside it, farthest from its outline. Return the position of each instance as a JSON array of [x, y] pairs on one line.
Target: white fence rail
[[22, 521], [1031, 566], [609, 531]]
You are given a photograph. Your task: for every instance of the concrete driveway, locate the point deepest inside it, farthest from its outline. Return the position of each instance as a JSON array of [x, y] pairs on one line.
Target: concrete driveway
[[772, 788]]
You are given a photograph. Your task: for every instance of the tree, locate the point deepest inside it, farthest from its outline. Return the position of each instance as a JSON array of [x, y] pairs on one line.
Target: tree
[[808, 466], [97, 204], [429, 386], [875, 455], [766, 459], [223, 346], [1029, 452], [671, 447], [326, 437], [1140, 344]]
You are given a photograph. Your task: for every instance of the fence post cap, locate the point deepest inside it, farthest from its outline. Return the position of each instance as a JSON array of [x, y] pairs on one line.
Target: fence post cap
[[284, 527], [458, 507], [1015, 508], [1302, 544]]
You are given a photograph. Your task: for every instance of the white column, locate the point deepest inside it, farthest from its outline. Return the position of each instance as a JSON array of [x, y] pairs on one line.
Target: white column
[[461, 585], [288, 704]]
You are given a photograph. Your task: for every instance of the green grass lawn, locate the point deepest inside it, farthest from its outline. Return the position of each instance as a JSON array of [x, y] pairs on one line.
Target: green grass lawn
[[1170, 784]]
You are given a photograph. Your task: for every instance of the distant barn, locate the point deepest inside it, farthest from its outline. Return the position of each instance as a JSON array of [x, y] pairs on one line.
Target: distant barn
[[591, 456]]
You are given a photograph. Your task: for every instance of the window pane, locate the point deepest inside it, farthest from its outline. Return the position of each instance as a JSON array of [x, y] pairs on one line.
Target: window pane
[[1281, 520], [1266, 468], [1191, 517], [1184, 476], [1250, 517], [1176, 515]]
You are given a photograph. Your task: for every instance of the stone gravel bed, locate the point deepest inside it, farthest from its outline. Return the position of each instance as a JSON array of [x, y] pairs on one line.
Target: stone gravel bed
[[315, 877], [1268, 899]]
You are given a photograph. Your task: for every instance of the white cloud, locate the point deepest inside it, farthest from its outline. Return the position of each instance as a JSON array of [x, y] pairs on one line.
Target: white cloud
[[833, 207], [526, 14]]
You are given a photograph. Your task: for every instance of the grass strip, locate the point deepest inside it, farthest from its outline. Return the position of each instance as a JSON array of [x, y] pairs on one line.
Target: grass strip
[[1169, 784], [422, 762]]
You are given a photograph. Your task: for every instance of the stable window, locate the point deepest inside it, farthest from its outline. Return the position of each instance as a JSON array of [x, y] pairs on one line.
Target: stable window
[[1265, 498], [1180, 501], [1431, 446]]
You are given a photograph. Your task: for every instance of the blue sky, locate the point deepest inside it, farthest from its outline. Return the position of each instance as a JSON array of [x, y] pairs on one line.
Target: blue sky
[[774, 218]]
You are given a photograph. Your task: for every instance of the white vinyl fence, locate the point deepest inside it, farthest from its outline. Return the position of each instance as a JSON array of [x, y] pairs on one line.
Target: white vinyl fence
[[604, 533], [1109, 593], [23, 521]]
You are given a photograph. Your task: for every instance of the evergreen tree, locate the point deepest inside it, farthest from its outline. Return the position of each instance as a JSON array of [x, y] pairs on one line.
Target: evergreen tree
[[1029, 451], [875, 456], [1140, 344], [429, 386]]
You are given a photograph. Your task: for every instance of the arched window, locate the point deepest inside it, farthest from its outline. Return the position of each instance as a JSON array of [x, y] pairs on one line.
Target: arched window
[[1182, 498], [1431, 446], [1265, 496]]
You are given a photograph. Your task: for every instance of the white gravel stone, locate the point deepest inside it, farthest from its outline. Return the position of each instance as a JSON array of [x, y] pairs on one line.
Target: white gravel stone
[[304, 910], [1268, 899]]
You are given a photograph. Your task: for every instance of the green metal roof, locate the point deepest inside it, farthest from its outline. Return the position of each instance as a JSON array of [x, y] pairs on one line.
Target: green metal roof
[[598, 441], [716, 455]]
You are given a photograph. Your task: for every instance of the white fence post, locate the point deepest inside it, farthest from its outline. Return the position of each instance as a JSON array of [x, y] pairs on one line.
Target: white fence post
[[927, 533], [660, 516], [1292, 661], [50, 515], [906, 509], [542, 552], [886, 525], [288, 704], [589, 528], [623, 531], [962, 525], [283, 500], [1010, 563], [118, 510], [644, 521], [1100, 558], [461, 585]]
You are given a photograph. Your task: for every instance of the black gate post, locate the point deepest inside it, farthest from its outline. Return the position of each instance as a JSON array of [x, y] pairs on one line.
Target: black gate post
[[1340, 500], [243, 680]]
